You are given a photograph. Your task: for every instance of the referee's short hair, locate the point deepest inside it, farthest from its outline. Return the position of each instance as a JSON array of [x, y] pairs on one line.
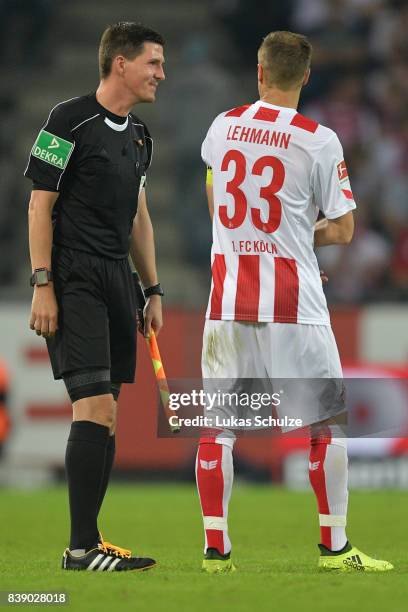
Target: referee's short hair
[[124, 38]]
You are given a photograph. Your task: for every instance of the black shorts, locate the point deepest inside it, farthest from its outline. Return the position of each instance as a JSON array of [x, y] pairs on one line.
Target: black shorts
[[97, 315]]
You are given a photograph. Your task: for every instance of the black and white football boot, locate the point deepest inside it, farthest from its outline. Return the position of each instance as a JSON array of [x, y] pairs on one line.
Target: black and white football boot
[[104, 559]]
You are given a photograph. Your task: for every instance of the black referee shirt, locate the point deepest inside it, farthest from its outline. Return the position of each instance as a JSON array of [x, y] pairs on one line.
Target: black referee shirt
[[97, 161]]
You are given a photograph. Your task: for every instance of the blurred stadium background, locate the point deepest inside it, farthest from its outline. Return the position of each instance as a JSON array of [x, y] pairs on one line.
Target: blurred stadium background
[[359, 87]]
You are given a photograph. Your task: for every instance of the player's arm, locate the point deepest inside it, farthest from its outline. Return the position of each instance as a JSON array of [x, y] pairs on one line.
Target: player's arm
[[210, 191], [44, 310], [142, 252], [334, 231], [332, 194]]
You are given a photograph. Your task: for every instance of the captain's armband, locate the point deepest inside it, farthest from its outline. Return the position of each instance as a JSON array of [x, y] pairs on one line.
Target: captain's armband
[[209, 178]]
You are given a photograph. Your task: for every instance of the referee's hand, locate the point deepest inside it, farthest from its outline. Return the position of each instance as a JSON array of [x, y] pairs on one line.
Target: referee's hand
[[44, 311], [152, 314]]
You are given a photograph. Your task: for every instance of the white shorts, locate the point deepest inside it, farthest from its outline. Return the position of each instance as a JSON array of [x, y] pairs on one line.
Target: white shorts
[[300, 362], [235, 349]]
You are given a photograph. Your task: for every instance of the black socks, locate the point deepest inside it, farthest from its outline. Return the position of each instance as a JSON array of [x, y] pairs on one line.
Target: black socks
[[109, 459], [85, 468]]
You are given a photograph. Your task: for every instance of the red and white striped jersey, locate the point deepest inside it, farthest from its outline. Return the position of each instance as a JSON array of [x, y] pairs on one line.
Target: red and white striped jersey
[[273, 169]]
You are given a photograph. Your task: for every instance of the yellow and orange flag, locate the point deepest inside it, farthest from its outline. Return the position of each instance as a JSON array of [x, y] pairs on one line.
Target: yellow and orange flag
[[151, 341]]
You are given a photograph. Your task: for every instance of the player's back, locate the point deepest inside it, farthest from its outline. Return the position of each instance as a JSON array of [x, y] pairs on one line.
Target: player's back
[[272, 170]]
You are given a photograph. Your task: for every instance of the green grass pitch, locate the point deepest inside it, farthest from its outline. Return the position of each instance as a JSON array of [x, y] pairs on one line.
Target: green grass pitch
[[274, 534]]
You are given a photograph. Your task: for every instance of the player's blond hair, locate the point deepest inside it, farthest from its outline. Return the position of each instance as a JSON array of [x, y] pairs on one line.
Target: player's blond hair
[[285, 57]]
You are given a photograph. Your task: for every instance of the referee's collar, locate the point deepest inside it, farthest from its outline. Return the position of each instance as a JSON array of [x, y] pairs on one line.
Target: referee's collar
[[116, 126], [116, 122]]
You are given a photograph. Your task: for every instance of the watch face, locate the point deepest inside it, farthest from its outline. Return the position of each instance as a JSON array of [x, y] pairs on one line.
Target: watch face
[[41, 277]]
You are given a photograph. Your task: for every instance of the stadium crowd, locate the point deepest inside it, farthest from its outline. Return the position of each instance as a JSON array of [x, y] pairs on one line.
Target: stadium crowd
[[359, 88]]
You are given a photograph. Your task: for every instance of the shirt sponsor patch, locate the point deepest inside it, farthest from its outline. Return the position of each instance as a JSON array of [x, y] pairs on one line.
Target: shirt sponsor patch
[[52, 149], [342, 171]]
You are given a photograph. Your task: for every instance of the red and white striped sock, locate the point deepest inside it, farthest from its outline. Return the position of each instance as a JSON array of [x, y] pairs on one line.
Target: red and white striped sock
[[328, 471], [214, 476]]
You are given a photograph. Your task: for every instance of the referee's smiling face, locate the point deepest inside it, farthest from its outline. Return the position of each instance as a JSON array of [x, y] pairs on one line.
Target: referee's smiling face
[[143, 74]]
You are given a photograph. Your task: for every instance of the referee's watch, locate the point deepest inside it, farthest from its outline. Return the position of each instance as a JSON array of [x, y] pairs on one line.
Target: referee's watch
[[153, 290], [41, 277]]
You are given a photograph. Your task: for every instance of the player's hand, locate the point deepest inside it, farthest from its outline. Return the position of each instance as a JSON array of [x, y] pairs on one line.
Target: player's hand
[[44, 311], [152, 314], [324, 278]]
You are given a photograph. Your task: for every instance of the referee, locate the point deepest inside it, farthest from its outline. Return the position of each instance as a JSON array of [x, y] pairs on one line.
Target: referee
[[87, 212]]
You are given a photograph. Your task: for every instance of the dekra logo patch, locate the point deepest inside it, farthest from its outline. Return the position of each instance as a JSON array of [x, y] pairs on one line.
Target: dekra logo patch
[[52, 149]]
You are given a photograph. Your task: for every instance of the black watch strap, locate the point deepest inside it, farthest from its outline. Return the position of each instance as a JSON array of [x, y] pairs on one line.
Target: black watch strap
[[153, 290], [41, 277]]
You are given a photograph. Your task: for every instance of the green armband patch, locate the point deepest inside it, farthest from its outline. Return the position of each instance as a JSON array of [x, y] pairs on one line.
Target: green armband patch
[[52, 149], [209, 179]]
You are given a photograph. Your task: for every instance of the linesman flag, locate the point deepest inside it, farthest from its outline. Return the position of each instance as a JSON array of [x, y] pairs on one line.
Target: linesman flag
[[161, 381], [152, 345]]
